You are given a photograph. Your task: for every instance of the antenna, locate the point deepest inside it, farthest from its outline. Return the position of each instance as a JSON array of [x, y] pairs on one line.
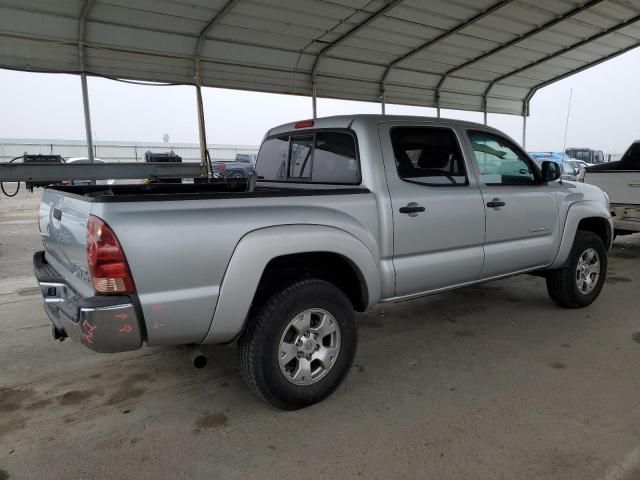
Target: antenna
[[566, 128]]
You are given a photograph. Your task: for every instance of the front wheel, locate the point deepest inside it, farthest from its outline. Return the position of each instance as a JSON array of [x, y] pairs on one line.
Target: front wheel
[[581, 281], [299, 345]]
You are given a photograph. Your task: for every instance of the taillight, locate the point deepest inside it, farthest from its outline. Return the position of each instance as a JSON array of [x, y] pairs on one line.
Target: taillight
[[107, 265], [222, 167]]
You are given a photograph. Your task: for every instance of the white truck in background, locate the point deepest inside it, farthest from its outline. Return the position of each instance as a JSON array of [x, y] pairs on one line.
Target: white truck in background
[[621, 181]]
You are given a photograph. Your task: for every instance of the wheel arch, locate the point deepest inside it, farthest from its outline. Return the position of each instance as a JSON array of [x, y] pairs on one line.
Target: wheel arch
[[598, 225], [325, 265], [589, 216], [262, 254]]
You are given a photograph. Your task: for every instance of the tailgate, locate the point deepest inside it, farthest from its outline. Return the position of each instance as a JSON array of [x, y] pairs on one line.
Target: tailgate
[[63, 227]]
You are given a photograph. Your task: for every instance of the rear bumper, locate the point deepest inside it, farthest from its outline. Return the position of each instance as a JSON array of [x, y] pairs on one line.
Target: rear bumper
[[105, 324]]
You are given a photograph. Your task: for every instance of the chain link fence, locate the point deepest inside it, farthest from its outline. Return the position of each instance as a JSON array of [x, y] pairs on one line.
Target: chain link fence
[[117, 151]]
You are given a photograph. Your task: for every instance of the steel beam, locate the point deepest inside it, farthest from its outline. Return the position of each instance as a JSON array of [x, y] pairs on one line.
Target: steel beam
[[380, 13], [535, 31], [47, 172], [212, 23], [565, 50], [442, 37]]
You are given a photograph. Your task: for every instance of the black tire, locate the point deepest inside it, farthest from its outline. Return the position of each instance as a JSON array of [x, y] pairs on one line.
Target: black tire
[[258, 345], [561, 284]]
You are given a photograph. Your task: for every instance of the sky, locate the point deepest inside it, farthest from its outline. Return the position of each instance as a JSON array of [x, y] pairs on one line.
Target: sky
[[604, 113]]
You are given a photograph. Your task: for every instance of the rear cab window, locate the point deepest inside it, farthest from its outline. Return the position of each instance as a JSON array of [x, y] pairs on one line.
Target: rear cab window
[[329, 157]]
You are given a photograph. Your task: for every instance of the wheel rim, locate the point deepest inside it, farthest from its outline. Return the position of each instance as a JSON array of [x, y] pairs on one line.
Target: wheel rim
[[588, 271], [309, 346]]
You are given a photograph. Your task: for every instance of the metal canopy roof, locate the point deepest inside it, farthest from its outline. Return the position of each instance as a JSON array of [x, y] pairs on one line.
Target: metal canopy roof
[[460, 54]]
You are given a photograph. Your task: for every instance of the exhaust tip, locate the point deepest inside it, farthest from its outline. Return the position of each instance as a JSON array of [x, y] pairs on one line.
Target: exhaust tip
[[199, 361]]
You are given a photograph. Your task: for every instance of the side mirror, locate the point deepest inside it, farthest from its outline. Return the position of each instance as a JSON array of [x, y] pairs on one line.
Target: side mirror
[[551, 171]]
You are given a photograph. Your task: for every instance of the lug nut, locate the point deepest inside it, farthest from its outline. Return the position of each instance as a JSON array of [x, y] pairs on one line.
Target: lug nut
[[299, 343], [308, 357], [306, 334], [317, 347], [300, 354]]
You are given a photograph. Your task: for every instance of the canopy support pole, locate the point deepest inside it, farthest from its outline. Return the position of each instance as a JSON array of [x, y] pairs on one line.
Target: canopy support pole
[[314, 100], [383, 102], [87, 117], [525, 114], [82, 31], [485, 109], [204, 157]]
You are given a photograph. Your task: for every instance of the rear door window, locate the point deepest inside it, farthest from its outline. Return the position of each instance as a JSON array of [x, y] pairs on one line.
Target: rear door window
[[321, 157], [428, 155], [335, 159]]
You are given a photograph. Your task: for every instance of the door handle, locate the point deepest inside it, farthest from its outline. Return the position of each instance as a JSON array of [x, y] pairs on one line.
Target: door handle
[[496, 203], [412, 209]]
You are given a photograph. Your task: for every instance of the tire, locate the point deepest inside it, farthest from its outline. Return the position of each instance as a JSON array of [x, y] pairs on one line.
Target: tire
[[562, 284], [274, 332]]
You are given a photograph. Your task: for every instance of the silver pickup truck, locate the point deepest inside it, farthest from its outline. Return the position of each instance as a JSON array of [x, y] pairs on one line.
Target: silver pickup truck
[[347, 212]]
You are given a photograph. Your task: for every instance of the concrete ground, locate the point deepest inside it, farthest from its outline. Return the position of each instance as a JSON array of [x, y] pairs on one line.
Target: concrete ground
[[489, 382]]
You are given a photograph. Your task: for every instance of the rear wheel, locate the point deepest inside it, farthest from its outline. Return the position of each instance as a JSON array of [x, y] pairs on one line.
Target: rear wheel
[[581, 281], [299, 345]]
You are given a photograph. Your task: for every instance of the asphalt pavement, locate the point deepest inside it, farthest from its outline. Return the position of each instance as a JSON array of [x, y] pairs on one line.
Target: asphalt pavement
[[489, 382]]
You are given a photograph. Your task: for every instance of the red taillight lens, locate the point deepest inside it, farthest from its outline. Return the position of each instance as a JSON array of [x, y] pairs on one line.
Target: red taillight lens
[[303, 124], [107, 265], [222, 167]]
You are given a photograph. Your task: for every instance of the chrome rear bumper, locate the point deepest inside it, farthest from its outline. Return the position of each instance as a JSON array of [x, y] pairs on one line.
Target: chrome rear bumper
[[105, 324]]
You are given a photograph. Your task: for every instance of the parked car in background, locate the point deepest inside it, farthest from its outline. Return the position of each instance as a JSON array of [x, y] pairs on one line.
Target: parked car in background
[[578, 164], [587, 155], [569, 171], [621, 181], [348, 212], [242, 167]]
